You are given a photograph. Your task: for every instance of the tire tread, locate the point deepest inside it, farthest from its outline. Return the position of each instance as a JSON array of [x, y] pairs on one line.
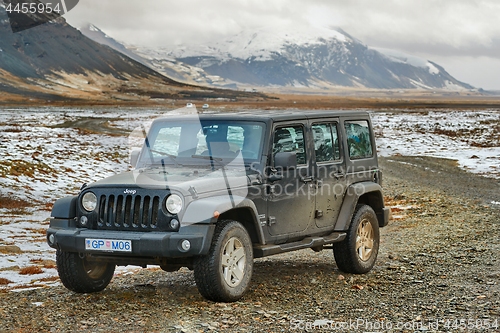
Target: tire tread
[[206, 269], [344, 252], [74, 277]]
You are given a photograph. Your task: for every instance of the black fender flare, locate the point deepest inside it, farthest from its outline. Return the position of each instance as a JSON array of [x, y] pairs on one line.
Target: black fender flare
[[207, 210], [64, 208], [351, 198]]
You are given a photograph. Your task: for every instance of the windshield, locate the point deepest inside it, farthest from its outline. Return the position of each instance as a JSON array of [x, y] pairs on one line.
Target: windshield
[[198, 141]]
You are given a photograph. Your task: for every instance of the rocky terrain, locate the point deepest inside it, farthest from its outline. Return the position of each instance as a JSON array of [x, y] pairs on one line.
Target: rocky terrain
[[438, 271]]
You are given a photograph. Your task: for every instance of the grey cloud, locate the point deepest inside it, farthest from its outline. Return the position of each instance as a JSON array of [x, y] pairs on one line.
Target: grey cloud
[[457, 23], [439, 49], [442, 28]]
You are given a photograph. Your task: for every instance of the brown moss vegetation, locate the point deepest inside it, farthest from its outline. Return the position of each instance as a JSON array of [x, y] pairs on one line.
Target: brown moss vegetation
[[9, 249], [342, 98], [44, 263], [28, 168], [30, 270], [13, 203], [4, 281]]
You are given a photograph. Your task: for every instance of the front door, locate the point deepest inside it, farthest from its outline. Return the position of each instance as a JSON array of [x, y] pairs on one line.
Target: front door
[[290, 205]]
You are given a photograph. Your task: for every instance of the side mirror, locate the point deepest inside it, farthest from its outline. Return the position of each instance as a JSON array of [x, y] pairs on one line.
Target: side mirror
[[285, 161], [134, 157]]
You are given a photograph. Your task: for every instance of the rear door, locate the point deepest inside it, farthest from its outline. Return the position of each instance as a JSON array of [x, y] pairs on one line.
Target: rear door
[[329, 171]]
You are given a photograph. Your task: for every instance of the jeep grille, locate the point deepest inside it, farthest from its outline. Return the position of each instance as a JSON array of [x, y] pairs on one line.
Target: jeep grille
[[128, 212]]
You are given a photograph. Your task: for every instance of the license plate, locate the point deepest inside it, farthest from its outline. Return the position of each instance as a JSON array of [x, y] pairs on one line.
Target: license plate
[[110, 245]]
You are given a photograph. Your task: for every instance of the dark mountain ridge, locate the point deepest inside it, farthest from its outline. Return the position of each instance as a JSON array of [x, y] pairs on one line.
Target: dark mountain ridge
[[56, 61]]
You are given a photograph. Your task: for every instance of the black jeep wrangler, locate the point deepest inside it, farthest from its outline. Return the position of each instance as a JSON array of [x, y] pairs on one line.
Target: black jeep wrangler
[[211, 192]]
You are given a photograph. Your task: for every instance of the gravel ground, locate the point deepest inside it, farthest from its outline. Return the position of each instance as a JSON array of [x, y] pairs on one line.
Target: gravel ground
[[438, 271]]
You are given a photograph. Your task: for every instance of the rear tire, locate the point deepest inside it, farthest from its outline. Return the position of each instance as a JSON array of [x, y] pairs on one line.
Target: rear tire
[[83, 276], [224, 274], [358, 252]]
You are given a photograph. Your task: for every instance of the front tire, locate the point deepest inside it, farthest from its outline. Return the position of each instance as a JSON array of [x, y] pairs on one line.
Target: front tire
[[83, 276], [224, 274], [358, 252]]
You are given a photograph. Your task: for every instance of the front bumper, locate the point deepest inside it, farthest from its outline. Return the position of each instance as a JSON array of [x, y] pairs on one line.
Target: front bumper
[[67, 237]]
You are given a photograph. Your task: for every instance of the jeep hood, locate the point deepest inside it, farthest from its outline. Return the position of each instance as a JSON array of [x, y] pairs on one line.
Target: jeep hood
[[183, 180]]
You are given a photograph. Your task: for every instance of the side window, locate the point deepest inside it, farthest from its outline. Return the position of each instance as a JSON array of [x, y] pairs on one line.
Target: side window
[[358, 139], [252, 141], [290, 139], [326, 143]]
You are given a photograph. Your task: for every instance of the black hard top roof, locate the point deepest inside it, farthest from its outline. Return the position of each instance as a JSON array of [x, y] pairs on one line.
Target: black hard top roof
[[270, 115]]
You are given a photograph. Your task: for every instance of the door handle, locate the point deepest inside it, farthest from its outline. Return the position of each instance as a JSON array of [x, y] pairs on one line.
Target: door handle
[[307, 179], [339, 175]]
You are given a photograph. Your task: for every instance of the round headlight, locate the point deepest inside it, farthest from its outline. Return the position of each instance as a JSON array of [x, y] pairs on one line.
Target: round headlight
[[173, 204], [89, 201]]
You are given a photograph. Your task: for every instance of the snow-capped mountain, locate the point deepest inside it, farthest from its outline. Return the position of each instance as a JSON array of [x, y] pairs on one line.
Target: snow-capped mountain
[[297, 57], [316, 57], [158, 59]]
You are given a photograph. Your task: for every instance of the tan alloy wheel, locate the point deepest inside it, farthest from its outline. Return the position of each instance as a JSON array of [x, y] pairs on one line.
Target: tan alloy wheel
[[94, 270], [233, 262], [364, 240]]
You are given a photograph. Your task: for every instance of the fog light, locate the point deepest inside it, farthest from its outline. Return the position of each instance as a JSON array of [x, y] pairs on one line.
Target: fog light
[[52, 239], [84, 220], [186, 245], [174, 224]]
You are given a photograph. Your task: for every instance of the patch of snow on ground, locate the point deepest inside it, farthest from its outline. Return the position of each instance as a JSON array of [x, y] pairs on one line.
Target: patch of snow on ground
[[469, 137], [62, 159]]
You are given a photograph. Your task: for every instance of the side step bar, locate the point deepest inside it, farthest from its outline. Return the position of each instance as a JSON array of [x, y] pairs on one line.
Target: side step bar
[[260, 250]]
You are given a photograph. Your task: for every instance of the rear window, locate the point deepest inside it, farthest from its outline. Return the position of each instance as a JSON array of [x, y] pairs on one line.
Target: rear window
[[326, 143], [358, 139]]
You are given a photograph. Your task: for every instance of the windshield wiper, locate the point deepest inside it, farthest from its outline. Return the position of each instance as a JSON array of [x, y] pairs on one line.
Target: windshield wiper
[[172, 157], [212, 159]]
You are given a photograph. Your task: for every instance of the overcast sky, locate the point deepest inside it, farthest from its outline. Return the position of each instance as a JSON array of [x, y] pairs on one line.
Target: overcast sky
[[463, 36]]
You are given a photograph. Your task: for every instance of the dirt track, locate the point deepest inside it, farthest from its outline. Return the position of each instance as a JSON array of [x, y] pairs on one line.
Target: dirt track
[[93, 125]]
